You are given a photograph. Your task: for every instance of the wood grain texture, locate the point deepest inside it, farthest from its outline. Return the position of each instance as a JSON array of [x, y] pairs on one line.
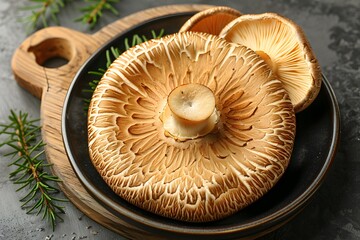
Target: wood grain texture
[[51, 85]]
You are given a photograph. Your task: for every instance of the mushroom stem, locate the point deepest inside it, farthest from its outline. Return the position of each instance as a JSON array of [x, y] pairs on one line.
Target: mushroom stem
[[267, 60], [190, 112]]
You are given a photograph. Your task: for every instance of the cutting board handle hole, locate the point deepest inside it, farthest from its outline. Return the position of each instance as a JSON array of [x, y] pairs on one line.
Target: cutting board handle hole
[[54, 62], [53, 52]]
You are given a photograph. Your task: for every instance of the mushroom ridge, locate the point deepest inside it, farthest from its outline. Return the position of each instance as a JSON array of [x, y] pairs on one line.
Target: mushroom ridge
[[206, 178]]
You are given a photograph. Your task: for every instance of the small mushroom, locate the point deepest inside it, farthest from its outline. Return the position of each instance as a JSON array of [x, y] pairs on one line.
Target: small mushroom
[[284, 47], [211, 20], [190, 127]]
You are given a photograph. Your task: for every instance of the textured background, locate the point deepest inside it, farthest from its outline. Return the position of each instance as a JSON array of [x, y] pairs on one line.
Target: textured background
[[333, 28]]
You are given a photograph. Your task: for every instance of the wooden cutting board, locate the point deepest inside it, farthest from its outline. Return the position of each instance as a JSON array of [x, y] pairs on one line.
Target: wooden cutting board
[[51, 85]]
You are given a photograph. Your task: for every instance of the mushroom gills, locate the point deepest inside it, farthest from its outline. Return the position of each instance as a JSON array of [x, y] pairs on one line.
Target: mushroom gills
[[211, 20], [282, 44], [267, 60], [228, 126]]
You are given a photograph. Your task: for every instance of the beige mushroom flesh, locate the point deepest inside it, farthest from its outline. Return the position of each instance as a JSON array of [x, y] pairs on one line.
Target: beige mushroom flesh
[[190, 127], [211, 20], [190, 112], [284, 47]]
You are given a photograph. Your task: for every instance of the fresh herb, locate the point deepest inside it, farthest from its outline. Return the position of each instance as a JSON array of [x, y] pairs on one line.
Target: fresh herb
[[95, 10], [45, 12], [30, 169], [111, 55], [42, 12]]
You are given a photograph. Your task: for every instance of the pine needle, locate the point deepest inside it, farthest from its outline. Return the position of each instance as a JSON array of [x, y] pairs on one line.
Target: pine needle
[[42, 13], [95, 9], [29, 172]]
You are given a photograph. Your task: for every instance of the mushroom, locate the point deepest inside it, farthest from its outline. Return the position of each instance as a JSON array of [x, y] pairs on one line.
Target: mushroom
[[284, 47], [211, 20], [236, 134]]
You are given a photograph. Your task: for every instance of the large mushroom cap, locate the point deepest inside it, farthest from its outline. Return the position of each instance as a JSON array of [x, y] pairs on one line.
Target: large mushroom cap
[[283, 45], [211, 20], [200, 178]]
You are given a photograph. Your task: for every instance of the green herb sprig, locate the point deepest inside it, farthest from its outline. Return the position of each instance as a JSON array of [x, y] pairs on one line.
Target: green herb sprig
[[111, 55], [95, 10], [30, 169], [45, 12], [42, 12]]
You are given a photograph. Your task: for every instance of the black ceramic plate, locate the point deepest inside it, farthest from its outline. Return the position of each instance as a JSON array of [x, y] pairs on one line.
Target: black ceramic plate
[[315, 146]]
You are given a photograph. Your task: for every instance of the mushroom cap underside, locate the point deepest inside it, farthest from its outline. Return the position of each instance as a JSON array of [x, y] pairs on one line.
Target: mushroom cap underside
[[211, 20], [203, 179], [284, 46]]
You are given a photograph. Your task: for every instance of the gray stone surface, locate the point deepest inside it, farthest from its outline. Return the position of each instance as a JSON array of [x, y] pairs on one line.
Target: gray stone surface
[[333, 28]]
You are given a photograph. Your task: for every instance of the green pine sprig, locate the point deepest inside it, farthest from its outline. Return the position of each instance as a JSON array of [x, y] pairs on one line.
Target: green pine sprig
[[43, 12], [111, 55], [94, 11], [30, 169]]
